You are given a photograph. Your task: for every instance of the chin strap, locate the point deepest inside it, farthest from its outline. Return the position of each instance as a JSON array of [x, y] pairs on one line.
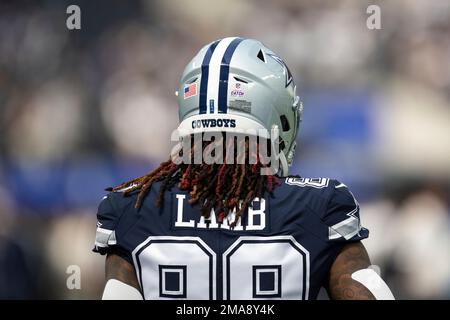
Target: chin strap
[[373, 282], [118, 290]]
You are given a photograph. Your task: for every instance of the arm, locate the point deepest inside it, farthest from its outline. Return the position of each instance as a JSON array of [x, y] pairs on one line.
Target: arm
[[121, 281], [341, 286]]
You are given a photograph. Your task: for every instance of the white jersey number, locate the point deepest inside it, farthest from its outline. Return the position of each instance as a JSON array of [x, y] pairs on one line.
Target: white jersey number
[[252, 267], [266, 267]]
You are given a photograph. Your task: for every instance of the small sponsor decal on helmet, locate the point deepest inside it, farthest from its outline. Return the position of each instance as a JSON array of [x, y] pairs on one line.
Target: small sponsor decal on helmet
[[211, 106], [237, 92], [241, 105], [190, 90]]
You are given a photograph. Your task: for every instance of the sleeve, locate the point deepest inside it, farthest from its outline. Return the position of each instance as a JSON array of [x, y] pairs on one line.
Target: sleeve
[[108, 218], [342, 216]]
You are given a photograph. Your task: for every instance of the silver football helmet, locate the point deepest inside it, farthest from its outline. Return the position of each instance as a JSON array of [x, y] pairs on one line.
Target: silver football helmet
[[236, 84]]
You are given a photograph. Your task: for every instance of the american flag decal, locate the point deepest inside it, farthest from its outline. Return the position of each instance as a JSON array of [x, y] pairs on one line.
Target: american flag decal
[[190, 90]]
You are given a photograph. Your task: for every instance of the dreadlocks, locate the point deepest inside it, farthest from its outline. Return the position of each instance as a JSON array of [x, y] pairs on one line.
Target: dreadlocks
[[224, 187]]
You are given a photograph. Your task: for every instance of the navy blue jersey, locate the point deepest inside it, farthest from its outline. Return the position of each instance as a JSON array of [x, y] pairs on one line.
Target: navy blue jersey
[[283, 246]]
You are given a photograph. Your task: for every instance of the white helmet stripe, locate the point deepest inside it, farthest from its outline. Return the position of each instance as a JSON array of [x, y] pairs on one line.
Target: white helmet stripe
[[214, 74], [204, 78], [225, 74]]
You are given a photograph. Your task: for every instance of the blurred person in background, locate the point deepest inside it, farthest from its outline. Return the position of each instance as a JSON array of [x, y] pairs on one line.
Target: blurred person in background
[[416, 237], [16, 279]]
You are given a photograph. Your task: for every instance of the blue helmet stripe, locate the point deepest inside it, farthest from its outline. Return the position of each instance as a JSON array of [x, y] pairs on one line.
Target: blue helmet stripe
[[224, 73], [204, 77]]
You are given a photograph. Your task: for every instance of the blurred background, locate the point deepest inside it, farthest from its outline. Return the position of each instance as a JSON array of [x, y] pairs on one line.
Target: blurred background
[[78, 110]]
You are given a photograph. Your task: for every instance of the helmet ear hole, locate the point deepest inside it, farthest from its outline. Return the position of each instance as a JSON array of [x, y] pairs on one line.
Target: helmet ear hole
[[260, 56], [192, 80], [240, 80], [284, 123]]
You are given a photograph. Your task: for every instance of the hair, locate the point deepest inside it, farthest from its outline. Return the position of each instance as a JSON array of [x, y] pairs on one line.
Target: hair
[[224, 187]]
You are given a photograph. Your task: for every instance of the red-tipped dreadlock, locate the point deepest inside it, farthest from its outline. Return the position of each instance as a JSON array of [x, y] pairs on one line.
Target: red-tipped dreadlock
[[224, 187]]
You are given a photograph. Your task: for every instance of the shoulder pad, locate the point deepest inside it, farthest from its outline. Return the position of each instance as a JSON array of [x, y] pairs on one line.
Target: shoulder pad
[[342, 215], [108, 217]]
